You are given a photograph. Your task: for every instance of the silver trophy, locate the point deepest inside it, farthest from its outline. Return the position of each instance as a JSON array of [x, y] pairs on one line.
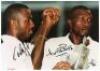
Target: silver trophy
[[82, 60]]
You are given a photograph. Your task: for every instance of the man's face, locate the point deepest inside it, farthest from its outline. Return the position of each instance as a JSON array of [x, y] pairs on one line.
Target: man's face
[[80, 23], [25, 24]]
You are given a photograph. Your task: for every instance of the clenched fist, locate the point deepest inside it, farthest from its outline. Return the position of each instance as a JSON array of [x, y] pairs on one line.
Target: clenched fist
[[62, 66], [50, 16]]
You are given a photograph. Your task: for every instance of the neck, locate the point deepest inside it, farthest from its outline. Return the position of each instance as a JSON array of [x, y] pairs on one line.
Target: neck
[[11, 32], [76, 39]]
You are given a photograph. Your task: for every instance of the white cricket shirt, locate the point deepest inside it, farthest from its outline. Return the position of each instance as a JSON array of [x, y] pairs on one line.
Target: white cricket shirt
[[15, 54], [62, 49]]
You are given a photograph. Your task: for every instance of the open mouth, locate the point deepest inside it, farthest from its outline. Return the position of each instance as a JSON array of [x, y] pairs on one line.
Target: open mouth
[[30, 32], [84, 29]]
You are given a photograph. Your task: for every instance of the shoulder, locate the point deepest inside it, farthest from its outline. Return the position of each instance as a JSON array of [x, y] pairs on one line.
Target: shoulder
[[9, 44], [93, 42], [58, 40], [93, 45], [7, 39], [55, 40], [54, 43]]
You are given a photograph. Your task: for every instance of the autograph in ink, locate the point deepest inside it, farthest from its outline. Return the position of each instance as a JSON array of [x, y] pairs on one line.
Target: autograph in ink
[[60, 50], [20, 49]]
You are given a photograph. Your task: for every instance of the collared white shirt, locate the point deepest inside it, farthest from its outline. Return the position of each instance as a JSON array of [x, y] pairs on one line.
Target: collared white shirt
[[15, 54], [62, 49]]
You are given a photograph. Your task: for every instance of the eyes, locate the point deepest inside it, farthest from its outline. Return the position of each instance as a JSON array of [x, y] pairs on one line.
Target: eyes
[[28, 19], [83, 18]]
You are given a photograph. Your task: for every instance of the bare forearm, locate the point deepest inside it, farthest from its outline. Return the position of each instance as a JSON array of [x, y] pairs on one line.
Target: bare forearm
[[39, 40]]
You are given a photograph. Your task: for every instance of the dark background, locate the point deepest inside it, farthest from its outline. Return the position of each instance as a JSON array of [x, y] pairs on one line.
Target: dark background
[[62, 28]]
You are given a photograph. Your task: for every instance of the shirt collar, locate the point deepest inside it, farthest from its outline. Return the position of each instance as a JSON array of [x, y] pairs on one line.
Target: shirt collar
[[70, 42]]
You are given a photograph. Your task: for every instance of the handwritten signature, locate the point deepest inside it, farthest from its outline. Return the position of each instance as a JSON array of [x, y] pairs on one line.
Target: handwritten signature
[[61, 48], [21, 49]]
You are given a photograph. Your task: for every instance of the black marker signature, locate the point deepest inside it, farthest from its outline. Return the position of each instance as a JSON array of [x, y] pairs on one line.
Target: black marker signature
[[61, 48], [19, 50]]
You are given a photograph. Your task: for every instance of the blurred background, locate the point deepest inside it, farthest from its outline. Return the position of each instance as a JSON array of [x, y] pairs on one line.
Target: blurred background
[[62, 28]]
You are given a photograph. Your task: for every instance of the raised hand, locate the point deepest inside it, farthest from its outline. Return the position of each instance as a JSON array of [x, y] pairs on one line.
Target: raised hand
[[50, 16]]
